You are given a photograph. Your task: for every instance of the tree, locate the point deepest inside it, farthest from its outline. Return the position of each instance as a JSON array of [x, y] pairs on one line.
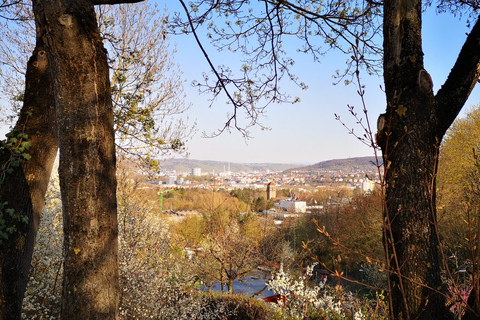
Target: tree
[[228, 242], [36, 126], [456, 164], [147, 88], [458, 185], [27, 158], [80, 76], [359, 229], [409, 133]]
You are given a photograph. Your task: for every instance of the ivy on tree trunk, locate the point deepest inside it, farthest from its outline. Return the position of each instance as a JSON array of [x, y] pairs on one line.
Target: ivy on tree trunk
[[27, 165], [67, 83]]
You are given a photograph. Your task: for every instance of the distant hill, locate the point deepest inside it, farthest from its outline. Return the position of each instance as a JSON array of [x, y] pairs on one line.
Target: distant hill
[[186, 165], [346, 165]]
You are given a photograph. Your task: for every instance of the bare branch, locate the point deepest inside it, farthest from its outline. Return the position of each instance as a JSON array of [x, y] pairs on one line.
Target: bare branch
[[111, 2]]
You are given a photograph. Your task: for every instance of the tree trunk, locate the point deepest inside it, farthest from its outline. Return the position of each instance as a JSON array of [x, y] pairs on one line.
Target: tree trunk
[[410, 141], [413, 127], [230, 285], [24, 188], [411, 234], [87, 157]]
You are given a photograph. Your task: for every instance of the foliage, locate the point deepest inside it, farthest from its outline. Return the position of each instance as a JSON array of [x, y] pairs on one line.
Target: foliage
[[359, 229], [255, 199], [13, 151], [156, 277], [374, 274], [457, 300], [147, 88], [457, 180], [228, 241]]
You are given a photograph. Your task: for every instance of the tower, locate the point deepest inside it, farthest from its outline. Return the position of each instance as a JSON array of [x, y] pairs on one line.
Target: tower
[[271, 192]]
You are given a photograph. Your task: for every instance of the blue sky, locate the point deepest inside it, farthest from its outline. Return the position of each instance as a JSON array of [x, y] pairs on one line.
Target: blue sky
[[307, 132]]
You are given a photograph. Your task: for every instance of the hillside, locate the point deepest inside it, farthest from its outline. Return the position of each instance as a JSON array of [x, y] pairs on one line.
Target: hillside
[[346, 165], [186, 165]]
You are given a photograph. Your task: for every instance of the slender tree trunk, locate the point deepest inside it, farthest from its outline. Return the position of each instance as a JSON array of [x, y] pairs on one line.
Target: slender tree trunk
[[230, 285], [87, 157], [24, 188]]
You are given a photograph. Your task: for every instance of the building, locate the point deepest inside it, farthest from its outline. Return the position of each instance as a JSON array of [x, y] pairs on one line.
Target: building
[[271, 191], [196, 171], [292, 205], [368, 186], [171, 180]]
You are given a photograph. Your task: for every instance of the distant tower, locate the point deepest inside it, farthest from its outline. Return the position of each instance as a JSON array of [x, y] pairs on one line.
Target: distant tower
[[271, 192]]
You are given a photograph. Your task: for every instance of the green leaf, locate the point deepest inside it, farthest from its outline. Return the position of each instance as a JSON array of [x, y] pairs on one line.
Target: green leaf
[[26, 144], [11, 229]]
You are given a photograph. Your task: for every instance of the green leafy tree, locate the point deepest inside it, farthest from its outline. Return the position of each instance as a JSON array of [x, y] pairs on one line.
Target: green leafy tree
[[458, 184]]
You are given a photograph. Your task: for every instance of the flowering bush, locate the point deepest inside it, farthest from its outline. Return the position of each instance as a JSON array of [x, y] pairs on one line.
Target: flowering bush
[[42, 298], [304, 300], [457, 299], [155, 275]]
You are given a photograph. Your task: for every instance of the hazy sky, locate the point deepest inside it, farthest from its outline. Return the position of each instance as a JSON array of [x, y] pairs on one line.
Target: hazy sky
[[307, 131]]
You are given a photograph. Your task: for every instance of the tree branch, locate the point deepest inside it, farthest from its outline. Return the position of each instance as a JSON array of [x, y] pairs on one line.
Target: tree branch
[[99, 2], [460, 82], [221, 80]]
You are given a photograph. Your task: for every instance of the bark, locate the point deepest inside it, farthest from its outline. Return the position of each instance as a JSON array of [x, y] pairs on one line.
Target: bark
[[87, 157], [416, 121], [24, 189]]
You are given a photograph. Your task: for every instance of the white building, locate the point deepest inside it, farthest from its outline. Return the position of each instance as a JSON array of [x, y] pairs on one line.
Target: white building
[[292, 205], [171, 180], [197, 171], [368, 186]]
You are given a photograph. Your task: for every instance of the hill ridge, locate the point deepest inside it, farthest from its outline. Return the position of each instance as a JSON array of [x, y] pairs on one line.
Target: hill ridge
[[186, 165]]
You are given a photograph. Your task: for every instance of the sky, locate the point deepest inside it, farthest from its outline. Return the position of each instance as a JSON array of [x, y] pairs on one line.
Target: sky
[[307, 132]]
